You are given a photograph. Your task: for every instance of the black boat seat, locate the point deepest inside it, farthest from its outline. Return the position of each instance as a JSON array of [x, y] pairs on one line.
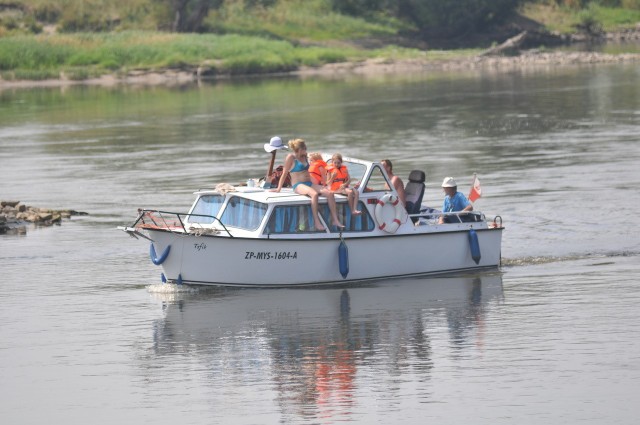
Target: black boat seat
[[414, 191]]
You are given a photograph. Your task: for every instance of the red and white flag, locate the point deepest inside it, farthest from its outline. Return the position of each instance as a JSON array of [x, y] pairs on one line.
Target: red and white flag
[[476, 191]]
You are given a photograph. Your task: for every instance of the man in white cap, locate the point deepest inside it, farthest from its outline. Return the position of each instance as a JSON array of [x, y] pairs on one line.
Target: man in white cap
[[454, 201], [274, 145]]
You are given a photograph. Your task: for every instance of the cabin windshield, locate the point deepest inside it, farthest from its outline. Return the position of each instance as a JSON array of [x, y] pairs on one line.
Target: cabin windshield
[[243, 213], [377, 182], [356, 172], [205, 209]]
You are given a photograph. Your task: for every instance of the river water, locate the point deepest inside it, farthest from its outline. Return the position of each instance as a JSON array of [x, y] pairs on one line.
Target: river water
[[88, 334]]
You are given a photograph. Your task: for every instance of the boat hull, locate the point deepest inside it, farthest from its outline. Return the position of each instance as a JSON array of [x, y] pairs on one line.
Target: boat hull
[[251, 262]]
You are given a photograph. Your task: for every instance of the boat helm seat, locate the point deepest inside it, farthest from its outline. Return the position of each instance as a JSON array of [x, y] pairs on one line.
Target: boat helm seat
[[414, 191]]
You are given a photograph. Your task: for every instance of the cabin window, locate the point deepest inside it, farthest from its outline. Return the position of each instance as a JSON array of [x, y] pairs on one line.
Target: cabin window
[[243, 213], [352, 223], [377, 182], [290, 219], [207, 205]]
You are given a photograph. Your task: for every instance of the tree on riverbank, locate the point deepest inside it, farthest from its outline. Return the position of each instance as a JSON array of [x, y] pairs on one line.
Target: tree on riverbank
[[436, 18], [186, 15], [304, 20]]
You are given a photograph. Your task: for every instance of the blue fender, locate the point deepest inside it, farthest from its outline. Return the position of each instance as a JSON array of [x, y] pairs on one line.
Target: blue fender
[[154, 258], [343, 257], [474, 246]]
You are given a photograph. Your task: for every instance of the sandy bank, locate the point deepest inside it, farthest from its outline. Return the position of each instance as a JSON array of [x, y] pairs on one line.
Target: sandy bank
[[530, 59]]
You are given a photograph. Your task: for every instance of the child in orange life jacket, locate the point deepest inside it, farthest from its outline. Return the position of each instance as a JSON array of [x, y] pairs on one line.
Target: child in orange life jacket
[[317, 169], [338, 180]]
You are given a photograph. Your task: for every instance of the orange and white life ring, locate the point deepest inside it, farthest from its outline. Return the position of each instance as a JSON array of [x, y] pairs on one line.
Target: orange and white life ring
[[389, 213]]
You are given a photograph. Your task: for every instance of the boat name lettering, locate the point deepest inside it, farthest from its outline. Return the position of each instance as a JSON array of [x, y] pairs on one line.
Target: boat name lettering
[[200, 246], [276, 255]]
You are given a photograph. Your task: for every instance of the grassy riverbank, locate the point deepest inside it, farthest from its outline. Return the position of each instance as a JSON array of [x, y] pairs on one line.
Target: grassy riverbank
[[266, 40], [86, 55], [83, 56]]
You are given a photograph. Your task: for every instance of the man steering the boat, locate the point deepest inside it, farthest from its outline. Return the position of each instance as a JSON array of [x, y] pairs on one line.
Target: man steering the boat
[[297, 164], [454, 201]]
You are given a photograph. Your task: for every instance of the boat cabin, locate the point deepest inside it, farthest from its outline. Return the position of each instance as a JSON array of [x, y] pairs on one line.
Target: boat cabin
[[256, 209]]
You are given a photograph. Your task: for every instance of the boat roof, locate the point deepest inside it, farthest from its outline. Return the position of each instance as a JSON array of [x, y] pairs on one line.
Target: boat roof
[[286, 195], [259, 194]]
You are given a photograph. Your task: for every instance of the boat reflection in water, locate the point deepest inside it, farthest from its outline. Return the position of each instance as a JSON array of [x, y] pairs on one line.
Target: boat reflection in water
[[317, 350]]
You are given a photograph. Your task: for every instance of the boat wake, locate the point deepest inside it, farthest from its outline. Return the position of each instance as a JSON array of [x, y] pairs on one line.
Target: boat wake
[[170, 288], [530, 261]]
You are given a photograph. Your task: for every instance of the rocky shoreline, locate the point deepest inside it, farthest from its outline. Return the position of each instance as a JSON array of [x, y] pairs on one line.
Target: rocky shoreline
[[530, 60], [16, 216]]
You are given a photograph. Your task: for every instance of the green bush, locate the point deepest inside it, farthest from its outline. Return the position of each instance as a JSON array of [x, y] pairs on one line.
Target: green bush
[[630, 4], [35, 74], [254, 64], [588, 20], [29, 52], [331, 56], [48, 12], [613, 19]]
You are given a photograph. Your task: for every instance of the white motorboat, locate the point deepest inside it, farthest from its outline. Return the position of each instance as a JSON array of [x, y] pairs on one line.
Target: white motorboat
[[247, 235]]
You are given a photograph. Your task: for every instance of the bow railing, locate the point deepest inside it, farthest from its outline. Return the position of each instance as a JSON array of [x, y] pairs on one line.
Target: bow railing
[[174, 222]]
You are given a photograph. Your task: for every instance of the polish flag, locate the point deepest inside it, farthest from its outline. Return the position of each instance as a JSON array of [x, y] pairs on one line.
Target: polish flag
[[476, 191]]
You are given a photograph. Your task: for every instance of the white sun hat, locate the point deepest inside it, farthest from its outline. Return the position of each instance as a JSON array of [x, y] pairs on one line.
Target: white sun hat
[[274, 144], [449, 182]]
